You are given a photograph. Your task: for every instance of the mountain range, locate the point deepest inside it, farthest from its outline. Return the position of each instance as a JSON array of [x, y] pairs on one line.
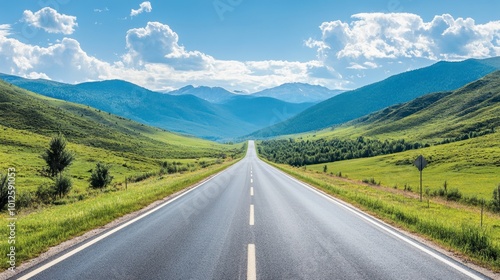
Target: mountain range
[[185, 114], [470, 110], [289, 92], [441, 76], [232, 116]]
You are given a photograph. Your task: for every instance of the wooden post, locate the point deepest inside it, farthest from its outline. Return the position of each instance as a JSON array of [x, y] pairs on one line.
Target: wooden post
[[420, 185], [482, 207]]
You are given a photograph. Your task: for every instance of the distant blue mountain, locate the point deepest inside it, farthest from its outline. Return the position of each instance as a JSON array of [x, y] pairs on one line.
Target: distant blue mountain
[[211, 94], [441, 76], [291, 92], [299, 93], [180, 113]]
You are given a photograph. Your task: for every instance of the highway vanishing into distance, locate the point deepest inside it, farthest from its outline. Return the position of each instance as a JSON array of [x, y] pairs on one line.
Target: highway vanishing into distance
[[251, 221]]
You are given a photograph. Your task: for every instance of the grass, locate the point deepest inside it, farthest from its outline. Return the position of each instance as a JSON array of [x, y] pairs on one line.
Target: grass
[[40, 229], [450, 224], [27, 123], [472, 166]]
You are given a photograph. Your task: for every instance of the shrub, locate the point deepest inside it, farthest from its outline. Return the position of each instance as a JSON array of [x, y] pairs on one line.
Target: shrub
[[454, 194], [3, 191], [496, 199], [24, 200], [45, 193], [100, 177], [62, 185]]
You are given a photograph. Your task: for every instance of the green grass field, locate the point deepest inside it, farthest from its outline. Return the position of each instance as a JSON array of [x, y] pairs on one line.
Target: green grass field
[[452, 225], [472, 166]]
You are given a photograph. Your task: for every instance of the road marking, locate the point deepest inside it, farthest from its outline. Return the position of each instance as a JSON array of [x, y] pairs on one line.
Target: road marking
[[385, 227], [95, 240], [251, 191], [252, 221], [251, 269], [251, 180]]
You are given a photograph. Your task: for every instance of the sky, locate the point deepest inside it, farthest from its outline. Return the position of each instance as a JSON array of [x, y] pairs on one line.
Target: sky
[[241, 45]]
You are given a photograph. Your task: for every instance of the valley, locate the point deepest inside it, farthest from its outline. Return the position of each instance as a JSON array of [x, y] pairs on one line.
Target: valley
[[366, 161]]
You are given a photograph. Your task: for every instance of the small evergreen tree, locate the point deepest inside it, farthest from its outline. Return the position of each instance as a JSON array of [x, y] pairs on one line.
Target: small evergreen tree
[[56, 156], [100, 177], [325, 168]]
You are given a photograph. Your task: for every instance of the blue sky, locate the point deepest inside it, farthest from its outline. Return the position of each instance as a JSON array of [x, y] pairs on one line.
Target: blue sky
[[241, 44]]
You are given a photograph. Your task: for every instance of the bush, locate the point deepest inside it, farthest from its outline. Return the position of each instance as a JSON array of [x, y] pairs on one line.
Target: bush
[[3, 191], [62, 185], [100, 177], [45, 193], [24, 200], [454, 195], [496, 199]]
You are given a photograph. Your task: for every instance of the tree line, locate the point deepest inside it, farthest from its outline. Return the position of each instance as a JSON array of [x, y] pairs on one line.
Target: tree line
[[300, 153]]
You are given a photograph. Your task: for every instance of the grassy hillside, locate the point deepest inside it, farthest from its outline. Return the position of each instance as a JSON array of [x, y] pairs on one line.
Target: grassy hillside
[[442, 76], [471, 166], [81, 124], [28, 121], [474, 108]]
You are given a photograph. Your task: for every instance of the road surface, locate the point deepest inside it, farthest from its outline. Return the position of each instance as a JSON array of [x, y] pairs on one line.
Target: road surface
[[251, 222]]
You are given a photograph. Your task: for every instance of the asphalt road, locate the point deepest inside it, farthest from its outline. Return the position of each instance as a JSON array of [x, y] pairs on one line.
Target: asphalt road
[[252, 221]]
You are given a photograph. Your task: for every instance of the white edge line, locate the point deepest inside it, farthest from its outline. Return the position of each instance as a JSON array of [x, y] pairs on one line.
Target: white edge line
[[251, 269], [97, 239], [381, 225]]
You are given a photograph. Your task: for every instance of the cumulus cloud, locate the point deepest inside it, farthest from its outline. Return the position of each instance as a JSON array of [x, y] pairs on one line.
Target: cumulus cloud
[[372, 40], [4, 30], [144, 7], [155, 60], [51, 21], [158, 43], [63, 61]]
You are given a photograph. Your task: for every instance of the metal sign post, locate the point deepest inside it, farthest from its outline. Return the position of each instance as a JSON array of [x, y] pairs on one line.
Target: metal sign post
[[420, 163]]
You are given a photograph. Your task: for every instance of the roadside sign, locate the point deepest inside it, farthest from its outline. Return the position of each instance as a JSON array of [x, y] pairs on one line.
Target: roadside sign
[[420, 163]]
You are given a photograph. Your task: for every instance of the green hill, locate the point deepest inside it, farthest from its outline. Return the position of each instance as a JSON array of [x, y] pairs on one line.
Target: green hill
[[27, 111], [471, 110], [442, 76]]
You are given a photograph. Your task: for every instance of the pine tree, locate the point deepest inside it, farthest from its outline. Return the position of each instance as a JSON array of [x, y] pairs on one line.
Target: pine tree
[[56, 156]]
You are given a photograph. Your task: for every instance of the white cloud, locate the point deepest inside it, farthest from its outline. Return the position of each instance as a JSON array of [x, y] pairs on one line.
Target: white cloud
[[97, 10], [376, 40], [157, 43], [143, 7], [66, 61], [51, 21], [4, 30], [63, 61], [388, 36]]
